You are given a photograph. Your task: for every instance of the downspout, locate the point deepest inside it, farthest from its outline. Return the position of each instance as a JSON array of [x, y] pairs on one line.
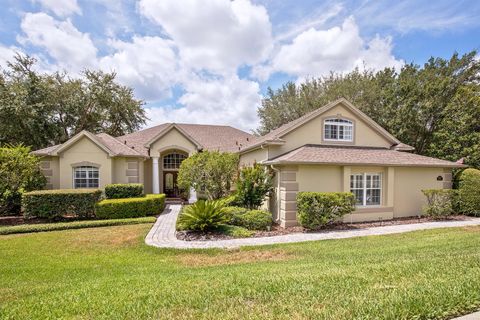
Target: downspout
[[278, 192]]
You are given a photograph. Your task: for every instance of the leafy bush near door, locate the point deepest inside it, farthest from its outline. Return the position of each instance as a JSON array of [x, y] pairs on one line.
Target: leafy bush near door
[[253, 185], [209, 172], [126, 190], [151, 204], [19, 173], [317, 209], [469, 192], [53, 204], [440, 202]]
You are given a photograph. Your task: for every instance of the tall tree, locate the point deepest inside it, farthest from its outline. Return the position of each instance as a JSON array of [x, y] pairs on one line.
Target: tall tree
[[43, 109], [434, 108]]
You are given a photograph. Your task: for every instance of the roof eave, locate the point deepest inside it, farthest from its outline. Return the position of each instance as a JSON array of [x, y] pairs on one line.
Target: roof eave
[[276, 142], [77, 137], [286, 162]]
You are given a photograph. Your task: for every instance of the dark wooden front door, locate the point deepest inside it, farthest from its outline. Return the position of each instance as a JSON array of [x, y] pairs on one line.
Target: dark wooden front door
[[170, 187]]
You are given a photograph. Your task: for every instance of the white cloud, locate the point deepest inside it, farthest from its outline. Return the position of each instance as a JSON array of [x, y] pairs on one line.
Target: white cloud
[[147, 64], [7, 54], [216, 35], [63, 8], [72, 49], [230, 101], [315, 53]]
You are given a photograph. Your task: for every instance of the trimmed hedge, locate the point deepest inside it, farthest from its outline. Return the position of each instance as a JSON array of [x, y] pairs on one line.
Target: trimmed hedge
[[250, 219], [317, 209], [45, 227], [53, 204], [151, 204], [439, 202], [469, 192], [232, 212], [126, 190], [254, 220]]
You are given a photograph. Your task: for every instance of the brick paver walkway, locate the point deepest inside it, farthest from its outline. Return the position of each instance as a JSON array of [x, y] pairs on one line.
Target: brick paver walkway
[[472, 316], [162, 234]]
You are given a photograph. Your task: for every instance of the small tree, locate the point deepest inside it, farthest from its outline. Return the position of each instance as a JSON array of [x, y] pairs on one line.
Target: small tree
[[209, 172], [253, 185], [469, 192], [19, 172]]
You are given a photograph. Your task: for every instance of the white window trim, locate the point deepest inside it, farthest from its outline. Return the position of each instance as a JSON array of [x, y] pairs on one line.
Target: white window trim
[[73, 177], [171, 169], [365, 174], [344, 124]]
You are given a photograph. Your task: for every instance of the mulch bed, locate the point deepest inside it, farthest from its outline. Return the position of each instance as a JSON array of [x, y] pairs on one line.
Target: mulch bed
[[278, 231], [18, 220]]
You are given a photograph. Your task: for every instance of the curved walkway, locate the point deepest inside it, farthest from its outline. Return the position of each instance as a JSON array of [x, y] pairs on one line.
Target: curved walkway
[[162, 234]]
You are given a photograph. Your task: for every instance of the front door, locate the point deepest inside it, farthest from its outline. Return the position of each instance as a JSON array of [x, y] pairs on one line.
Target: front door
[[170, 187]]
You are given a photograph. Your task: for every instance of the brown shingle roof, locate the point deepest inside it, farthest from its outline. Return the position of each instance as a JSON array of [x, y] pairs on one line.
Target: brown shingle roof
[[114, 146], [46, 151], [209, 137], [117, 148], [317, 154]]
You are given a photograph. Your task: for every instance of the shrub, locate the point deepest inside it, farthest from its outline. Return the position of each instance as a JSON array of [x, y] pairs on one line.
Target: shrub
[[230, 201], [232, 212], [254, 220], [19, 173], [469, 192], [53, 204], [44, 227], [127, 190], [439, 202], [235, 231], [317, 209], [202, 216], [253, 185], [151, 204]]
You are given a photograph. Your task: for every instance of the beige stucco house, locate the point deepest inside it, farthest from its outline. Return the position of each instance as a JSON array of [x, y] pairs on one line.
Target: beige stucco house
[[334, 148]]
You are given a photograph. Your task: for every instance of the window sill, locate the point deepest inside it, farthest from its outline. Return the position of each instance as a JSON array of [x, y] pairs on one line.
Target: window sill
[[376, 208]]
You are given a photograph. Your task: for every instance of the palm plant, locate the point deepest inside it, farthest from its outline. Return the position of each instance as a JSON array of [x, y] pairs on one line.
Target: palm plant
[[202, 216]]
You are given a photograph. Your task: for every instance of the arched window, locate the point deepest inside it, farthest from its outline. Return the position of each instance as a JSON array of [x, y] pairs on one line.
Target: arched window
[[173, 160], [85, 177], [338, 130]]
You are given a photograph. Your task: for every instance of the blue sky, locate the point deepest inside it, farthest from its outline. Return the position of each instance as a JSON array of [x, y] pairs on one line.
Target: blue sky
[[210, 61]]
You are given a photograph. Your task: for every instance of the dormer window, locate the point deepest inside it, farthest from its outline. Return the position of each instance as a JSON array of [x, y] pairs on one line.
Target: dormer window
[[338, 130]]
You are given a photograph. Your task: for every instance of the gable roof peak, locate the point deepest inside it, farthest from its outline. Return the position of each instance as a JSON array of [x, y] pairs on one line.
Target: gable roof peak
[[281, 131]]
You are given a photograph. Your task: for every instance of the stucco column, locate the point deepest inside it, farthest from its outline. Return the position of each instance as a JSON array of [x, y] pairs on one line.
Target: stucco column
[[155, 176]]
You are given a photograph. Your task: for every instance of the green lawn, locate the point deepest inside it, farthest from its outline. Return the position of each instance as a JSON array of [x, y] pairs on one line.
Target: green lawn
[[108, 272]]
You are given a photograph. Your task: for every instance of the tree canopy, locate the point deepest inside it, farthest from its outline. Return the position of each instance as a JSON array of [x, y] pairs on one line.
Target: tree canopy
[[19, 172], [210, 172], [434, 108], [42, 109]]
